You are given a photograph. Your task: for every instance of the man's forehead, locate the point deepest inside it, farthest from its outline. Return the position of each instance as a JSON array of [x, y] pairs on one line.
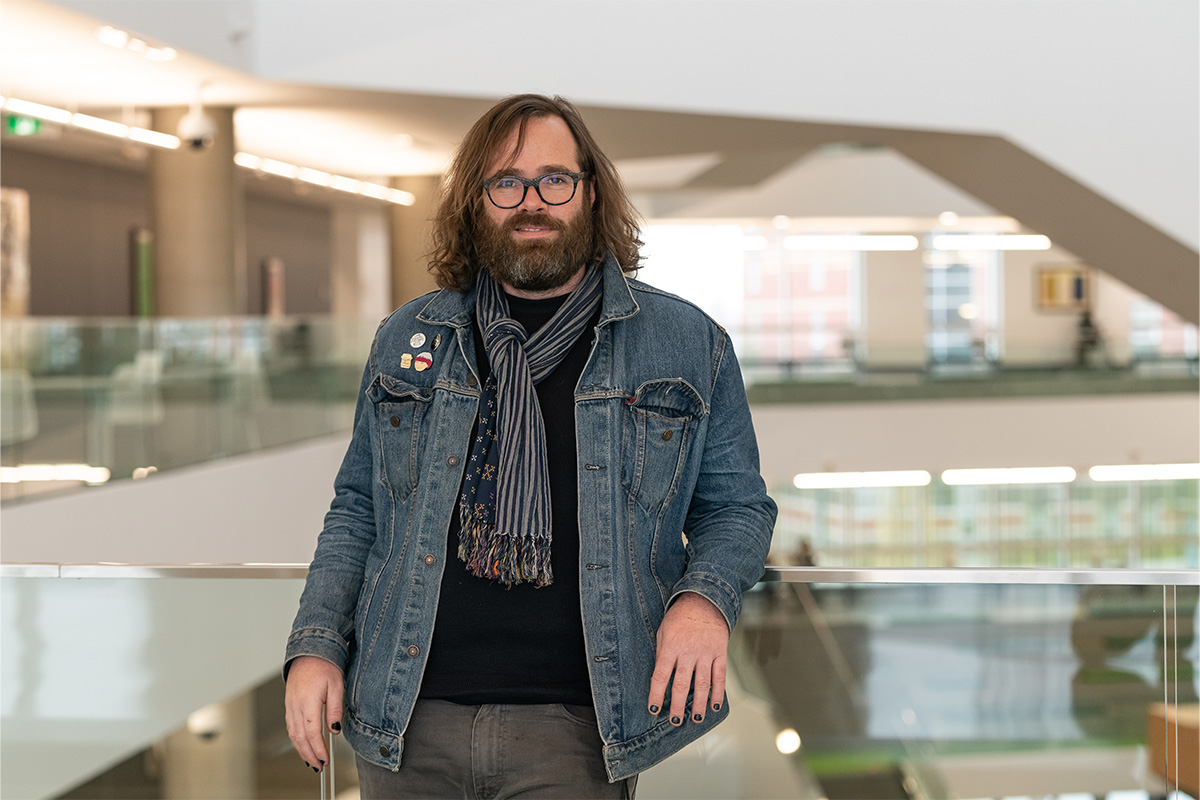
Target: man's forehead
[[548, 139]]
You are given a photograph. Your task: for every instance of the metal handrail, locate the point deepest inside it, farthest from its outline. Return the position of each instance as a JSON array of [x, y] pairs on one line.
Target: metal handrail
[[892, 575]]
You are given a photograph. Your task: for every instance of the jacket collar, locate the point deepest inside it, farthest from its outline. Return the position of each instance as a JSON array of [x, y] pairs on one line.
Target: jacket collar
[[456, 309]]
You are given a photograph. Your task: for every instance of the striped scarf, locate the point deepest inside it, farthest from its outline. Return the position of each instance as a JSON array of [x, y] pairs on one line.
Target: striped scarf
[[505, 502]]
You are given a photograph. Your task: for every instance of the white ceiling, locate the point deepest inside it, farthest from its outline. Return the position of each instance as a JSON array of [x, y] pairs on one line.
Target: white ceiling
[[676, 164]]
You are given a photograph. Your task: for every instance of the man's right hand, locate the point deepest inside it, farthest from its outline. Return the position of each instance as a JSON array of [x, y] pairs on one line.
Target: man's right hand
[[312, 683]]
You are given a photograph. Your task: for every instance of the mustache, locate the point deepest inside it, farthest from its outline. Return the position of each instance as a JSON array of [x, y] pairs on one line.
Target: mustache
[[529, 218]]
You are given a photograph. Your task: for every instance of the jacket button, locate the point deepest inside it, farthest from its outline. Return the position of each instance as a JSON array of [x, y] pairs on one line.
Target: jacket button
[[395, 422], [471, 380], [430, 560], [383, 751], [666, 434], [413, 651], [452, 461]]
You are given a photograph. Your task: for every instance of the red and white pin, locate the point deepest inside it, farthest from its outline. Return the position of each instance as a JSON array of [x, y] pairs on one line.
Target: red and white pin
[[423, 361]]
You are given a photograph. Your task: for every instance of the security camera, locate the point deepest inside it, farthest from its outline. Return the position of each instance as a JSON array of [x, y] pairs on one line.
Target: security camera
[[197, 130]]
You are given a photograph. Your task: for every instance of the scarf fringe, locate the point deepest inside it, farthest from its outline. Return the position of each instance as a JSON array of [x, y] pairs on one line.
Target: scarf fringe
[[501, 557]]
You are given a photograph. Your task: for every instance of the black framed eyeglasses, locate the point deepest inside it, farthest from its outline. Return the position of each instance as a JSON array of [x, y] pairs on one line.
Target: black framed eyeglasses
[[555, 188]]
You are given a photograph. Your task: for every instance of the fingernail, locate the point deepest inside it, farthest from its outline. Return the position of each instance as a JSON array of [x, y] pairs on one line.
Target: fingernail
[[336, 727], [698, 717], [716, 706], [314, 769], [676, 721], [308, 765], [653, 709]]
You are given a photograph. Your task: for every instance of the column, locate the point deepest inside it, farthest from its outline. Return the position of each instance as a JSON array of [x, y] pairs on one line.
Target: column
[[214, 754], [196, 213], [410, 239]]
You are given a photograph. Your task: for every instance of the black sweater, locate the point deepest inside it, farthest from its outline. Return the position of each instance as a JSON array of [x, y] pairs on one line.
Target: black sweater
[[521, 645]]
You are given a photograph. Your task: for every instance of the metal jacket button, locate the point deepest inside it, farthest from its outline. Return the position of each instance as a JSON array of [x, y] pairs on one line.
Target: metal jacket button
[[452, 461], [395, 422], [667, 435], [383, 751], [471, 380], [430, 560], [413, 651]]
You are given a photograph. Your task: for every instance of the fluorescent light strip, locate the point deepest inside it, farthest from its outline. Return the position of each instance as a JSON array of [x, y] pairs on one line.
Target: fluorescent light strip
[[95, 124], [1012, 475], [1145, 472], [48, 113], [974, 241], [376, 191], [861, 480], [861, 242], [54, 472]]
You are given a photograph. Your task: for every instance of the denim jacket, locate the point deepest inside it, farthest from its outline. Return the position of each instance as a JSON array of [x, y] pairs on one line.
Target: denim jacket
[[665, 447]]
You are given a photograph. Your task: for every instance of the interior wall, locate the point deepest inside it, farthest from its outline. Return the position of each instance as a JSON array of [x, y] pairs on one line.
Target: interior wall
[[80, 215], [302, 236]]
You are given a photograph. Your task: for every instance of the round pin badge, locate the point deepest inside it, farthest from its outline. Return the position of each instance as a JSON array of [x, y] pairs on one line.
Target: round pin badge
[[423, 361], [417, 339]]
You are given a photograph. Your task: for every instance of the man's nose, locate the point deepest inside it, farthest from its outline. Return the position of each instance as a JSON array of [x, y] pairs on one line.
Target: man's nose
[[533, 200]]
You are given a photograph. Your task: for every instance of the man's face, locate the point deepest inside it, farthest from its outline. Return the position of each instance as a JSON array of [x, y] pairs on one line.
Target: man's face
[[535, 246]]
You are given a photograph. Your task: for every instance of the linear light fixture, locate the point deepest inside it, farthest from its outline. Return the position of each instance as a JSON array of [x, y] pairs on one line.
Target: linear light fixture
[[54, 472], [989, 241], [87, 122], [341, 183], [849, 242], [1145, 472], [1009, 475], [122, 40], [862, 480]]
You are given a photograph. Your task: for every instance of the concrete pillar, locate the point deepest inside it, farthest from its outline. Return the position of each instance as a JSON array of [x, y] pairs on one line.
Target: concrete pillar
[[893, 311], [361, 270], [196, 218], [410, 239], [214, 754]]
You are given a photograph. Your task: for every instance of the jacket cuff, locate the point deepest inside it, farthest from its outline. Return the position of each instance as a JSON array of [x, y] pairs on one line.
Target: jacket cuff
[[319, 642], [720, 593]]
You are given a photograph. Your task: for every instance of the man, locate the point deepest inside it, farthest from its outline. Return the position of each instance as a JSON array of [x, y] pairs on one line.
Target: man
[[550, 506]]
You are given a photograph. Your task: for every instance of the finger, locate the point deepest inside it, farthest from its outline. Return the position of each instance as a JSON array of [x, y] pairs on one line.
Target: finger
[[701, 683], [333, 706], [679, 690], [314, 734], [658, 683], [718, 682], [295, 729]]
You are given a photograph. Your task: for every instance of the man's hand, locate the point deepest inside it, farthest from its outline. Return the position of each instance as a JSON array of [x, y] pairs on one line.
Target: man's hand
[[312, 683], [692, 642]]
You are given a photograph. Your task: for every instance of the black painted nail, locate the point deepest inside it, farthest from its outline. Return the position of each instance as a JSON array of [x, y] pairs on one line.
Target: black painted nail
[[314, 769], [676, 721], [698, 717], [653, 709], [336, 727], [716, 706], [308, 765]]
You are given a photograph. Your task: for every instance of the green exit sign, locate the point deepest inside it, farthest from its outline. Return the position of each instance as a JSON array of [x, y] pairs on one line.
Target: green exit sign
[[20, 125]]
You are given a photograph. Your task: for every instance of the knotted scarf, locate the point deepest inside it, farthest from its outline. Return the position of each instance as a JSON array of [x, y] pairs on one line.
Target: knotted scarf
[[505, 502]]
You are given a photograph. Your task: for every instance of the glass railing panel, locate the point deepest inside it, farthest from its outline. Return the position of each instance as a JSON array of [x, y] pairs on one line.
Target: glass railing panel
[[971, 690], [844, 684], [99, 667], [86, 402]]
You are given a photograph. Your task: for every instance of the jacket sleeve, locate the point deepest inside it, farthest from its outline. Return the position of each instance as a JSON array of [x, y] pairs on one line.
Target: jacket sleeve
[[324, 625], [730, 518]]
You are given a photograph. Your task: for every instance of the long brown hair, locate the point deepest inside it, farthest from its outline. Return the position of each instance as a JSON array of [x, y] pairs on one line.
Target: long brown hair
[[453, 258]]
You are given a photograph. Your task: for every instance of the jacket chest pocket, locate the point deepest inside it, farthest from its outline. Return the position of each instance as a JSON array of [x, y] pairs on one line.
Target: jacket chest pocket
[[660, 423], [400, 410]]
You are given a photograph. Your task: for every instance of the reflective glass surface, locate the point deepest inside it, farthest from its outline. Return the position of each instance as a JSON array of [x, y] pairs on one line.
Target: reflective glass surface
[[98, 401]]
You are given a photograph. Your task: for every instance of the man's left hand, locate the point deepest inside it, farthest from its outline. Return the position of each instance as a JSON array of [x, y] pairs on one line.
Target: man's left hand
[[692, 643]]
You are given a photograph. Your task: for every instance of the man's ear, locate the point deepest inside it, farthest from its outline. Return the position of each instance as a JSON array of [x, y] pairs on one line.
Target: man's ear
[[592, 193]]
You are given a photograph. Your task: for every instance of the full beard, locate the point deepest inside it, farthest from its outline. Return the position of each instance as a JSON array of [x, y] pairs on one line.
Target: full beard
[[535, 266]]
